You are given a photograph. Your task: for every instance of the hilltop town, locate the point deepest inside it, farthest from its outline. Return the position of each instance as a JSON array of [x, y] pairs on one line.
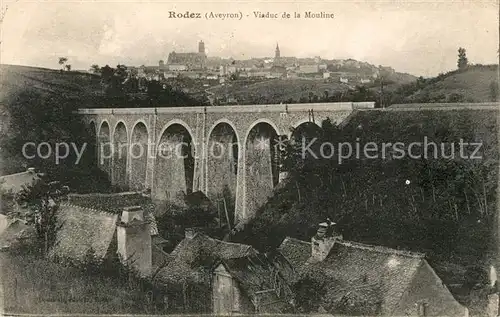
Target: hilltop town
[[218, 78]]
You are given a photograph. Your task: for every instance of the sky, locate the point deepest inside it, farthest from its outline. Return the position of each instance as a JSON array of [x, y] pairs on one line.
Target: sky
[[420, 38]]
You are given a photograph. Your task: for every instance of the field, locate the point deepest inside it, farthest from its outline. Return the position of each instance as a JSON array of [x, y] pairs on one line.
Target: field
[[475, 85], [14, 78]]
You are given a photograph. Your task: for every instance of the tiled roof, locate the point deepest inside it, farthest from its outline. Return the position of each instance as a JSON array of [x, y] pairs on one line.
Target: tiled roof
[[159, 257], [83, 229], [191, 256], [285, 266], [352, 265], [262, 281], [115, 202], [361, 300], [296, 251], [198, 199], [15, 182]]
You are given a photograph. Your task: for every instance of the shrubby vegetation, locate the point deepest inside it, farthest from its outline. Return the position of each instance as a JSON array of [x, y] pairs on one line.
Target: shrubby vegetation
[[409, 93], [359, 93], [121, 88], [37, 117], [443, 207], [173, 219], [90, 286]]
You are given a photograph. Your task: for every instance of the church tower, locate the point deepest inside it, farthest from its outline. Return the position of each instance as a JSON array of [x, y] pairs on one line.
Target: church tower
[[277, 52], [201, 47]]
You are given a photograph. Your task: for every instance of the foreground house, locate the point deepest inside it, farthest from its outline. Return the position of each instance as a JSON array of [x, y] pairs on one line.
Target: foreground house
[[88, 232], [370, 280], [185, 273], [203, 274], [206, 275]]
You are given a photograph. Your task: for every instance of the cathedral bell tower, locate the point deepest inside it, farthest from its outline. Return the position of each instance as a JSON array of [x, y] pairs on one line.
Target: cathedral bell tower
[[201, 47]]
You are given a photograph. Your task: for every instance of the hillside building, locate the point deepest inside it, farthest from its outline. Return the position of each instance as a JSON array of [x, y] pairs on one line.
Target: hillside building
[[188, 61], [309, 69]]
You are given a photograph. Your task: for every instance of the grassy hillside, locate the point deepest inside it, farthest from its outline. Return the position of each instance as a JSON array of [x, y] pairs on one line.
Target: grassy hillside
[[85, 89], [14, 78], [475, 84], [36, 285]]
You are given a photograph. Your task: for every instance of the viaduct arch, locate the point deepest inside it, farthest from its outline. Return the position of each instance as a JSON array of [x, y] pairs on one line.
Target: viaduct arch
[[227, 152]]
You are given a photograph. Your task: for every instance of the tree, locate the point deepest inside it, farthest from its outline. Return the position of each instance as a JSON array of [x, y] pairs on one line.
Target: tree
[[68, 67], [111, 80], [234, 76], [7, 201], [95, 69], [462, 62], [382, 77], [494, 91], [106, 73], [41, 200], [154, 90], [310, 95], [62, 61], [121, 72]]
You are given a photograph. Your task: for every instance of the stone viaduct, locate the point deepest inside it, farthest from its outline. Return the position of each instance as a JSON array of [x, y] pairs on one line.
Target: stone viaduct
[[224, 151]]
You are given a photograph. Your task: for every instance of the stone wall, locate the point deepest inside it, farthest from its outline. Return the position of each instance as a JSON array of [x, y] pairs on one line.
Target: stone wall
[[199, 123]]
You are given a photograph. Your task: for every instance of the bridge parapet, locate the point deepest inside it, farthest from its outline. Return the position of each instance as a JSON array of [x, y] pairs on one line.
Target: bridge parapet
[[327, 106]]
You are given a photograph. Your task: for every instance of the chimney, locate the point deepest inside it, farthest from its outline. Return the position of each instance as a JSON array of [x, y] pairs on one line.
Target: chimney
[[134, 240], [323, 241], [132, 213]]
